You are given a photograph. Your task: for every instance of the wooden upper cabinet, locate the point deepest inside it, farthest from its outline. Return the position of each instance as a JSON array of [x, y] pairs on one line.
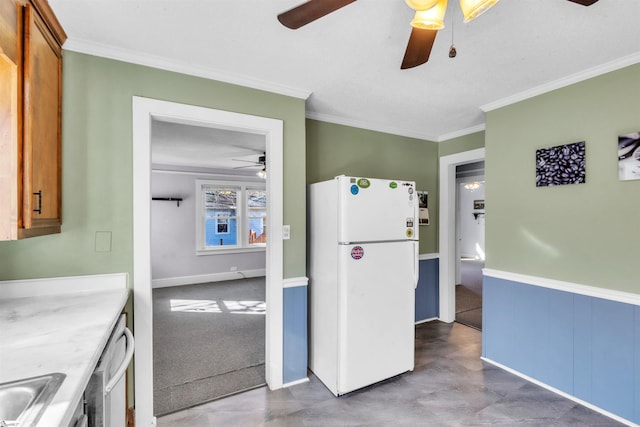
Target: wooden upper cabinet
[[30, 172]]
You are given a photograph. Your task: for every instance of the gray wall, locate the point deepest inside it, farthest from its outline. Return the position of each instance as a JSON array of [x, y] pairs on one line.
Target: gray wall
[[173, 233]]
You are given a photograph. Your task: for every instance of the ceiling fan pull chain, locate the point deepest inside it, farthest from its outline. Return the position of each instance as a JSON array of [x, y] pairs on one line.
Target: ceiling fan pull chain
[[452, 50]]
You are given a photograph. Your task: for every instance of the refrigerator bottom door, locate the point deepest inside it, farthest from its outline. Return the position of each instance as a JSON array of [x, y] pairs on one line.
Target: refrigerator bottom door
[[376, 313]]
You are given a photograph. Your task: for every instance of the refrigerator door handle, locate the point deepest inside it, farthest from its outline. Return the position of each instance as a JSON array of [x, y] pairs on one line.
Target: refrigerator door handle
[[416, 264]]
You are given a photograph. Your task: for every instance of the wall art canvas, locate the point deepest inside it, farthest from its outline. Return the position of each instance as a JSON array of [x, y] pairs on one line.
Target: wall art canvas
[[423, 208], [629, 156], [561, 165]]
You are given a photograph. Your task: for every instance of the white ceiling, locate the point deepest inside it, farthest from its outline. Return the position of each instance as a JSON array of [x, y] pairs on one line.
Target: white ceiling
[[174, 144], [349, 61]]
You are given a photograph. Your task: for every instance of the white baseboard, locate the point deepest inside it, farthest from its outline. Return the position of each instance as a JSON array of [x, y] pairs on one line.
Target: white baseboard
[[205, 278], [292, 383], [426, 320], [562, 393]]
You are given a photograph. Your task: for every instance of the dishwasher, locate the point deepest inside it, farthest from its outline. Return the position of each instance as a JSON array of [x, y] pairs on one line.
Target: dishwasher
[[105, 395]]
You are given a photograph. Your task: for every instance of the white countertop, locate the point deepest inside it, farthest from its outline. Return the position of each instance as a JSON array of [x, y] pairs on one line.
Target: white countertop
[[64, 333]]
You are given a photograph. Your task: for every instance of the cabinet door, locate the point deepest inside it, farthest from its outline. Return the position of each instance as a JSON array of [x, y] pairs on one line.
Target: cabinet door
[[10, 117], [42, 128]]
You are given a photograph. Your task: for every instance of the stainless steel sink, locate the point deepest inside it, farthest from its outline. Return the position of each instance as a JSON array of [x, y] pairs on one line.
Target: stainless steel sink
[[22, 402]]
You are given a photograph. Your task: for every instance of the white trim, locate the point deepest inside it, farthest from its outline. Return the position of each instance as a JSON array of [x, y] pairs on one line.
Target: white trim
[[423, 257], [447, 228], [163, 63], [563, 82], [462, 132], [144, 111], [258, 247], [562, 393], [206, 278], [295, 282], [369, 126], [296, 382], [575, 288], [62, 285], [141, 58], [426, 320]]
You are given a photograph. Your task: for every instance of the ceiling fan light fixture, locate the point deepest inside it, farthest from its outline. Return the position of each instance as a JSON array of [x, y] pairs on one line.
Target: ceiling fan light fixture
[[471, 9], [421, 4], [430, 19]]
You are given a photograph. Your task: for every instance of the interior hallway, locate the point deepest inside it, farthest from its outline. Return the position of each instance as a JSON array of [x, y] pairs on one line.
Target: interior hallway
[[469, 293], [450, 386]]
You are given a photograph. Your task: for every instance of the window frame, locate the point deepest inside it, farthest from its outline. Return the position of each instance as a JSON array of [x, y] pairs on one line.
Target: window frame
[[242, 217]]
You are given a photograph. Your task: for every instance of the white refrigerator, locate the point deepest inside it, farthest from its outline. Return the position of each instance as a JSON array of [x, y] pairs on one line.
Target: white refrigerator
[[363, 270]]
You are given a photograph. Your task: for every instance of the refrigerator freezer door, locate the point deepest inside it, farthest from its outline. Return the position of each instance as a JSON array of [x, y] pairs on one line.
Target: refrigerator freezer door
[[376, 313], [376, 210]]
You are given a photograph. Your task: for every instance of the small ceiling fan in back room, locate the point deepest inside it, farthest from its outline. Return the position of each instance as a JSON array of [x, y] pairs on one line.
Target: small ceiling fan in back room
[[428, 19], [260, 163]]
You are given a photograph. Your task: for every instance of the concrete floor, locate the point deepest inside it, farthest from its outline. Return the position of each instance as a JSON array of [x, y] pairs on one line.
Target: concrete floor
[[450, 386]]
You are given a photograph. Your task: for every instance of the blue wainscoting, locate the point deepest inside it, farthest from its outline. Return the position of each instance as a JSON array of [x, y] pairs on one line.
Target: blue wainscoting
[[294, 334], [584, 346], [427, 292], [636, 377]]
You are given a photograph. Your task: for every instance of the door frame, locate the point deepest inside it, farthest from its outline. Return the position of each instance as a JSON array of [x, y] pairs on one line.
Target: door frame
[[144, 111], [447, 229]]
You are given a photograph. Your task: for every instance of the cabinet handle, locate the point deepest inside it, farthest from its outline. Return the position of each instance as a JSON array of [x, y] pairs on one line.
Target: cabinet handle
[[39, 194]]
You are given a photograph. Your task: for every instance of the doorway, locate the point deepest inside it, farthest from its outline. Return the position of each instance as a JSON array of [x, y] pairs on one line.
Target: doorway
[[447, 228], [144, 111], [208, 241], [470, 249]]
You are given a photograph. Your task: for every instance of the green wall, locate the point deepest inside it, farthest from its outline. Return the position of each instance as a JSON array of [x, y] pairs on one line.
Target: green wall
[[98, 164], [586, 233], [343, 150], [460, 144]]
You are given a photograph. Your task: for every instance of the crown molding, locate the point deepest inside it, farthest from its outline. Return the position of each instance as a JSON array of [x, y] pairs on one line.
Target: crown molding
[[369, 126], [563, 82], [138, 58], [462, 132]]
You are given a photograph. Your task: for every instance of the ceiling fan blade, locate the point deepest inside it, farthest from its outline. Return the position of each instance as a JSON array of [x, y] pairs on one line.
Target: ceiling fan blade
[[309, 12], [584, 2], [246, 161], [249, 166], [418, 48]]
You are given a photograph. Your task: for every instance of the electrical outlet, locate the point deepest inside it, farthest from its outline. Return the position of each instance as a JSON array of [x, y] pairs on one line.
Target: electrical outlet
[[234, 268]]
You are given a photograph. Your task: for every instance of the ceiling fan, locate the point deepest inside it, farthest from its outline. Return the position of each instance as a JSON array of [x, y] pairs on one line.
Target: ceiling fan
[[425, 25], [261, 163]]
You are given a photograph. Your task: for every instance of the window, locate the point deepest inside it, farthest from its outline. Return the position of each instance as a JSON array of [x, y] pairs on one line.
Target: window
[[257, 216], [232, 216]]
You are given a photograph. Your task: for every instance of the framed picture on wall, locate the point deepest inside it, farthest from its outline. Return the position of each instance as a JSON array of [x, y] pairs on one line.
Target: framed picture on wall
[[423, 207], [561, 165], [629, 156]]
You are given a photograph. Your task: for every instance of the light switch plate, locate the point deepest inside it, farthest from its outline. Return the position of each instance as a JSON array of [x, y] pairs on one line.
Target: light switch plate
[[286, 232]]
